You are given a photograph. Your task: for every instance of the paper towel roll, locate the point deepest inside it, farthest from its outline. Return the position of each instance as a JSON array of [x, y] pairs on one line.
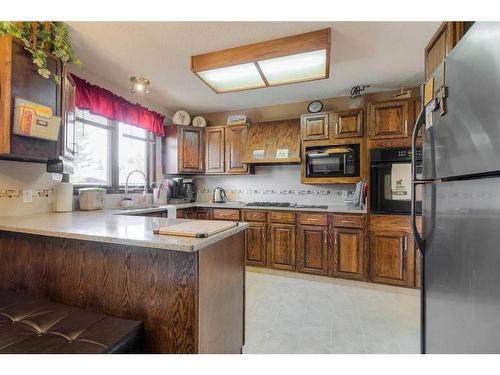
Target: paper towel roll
[[64, 197]]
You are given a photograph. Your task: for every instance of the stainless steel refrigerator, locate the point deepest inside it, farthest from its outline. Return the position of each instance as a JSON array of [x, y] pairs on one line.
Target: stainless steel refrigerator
[[460, 242]]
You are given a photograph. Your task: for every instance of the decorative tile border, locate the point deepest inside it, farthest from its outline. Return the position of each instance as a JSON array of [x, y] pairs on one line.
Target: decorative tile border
[[17, 193], [284, 192]]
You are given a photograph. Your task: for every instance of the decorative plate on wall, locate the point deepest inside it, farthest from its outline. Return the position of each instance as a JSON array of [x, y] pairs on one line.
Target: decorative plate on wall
[[199, 121], [181, 118]]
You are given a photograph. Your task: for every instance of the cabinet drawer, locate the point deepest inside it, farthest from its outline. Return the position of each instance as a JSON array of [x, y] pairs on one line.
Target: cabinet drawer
[[348, 221], [282, 217], [313, 219], [260, 216], [225, 214]]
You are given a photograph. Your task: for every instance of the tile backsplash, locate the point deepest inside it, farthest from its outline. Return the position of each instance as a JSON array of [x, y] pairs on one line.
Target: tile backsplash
[[273, 183]]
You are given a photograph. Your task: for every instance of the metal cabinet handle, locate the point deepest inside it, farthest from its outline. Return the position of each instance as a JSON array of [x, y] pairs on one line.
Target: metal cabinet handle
[[348, 222]]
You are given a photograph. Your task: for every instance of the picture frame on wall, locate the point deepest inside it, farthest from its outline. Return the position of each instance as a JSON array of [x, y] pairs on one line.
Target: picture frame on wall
[[237, 120]]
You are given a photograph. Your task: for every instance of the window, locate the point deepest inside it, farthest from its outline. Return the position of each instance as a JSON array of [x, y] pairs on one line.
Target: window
[[108, 151], [93, 145], [133, 153]]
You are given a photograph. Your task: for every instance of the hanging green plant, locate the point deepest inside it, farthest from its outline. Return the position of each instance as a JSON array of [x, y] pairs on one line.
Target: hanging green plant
[[41, 41]]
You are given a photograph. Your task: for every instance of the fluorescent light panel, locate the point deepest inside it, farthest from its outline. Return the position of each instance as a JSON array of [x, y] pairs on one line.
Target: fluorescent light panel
[[300, 67], [233, 78]]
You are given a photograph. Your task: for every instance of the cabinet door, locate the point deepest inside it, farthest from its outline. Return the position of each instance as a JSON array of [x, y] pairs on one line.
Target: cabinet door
[[255, 237], [443, 41], [282, 246], [189, 213], [191, 150], [315, 126], [389, 119], [349, 253], [68, 119], [236, 140], [214, 149], [349, 124], [389, 257], [313, 249], [203, 213]]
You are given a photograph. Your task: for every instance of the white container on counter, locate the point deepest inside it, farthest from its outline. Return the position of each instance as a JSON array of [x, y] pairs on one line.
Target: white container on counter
[[64, 197], [91, 198]]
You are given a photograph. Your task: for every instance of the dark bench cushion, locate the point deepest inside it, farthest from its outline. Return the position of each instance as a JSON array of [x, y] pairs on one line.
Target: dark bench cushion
[[30, 325]]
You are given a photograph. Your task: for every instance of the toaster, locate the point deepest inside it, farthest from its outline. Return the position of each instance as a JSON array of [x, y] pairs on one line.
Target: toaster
[[91, 198]]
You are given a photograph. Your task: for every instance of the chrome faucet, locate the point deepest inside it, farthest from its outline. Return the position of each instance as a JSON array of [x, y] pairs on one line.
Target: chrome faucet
[[127, 202], [145, 181]]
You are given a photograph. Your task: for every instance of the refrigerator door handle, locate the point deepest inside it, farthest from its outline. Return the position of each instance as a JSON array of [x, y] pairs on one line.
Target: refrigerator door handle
[[415, 181]]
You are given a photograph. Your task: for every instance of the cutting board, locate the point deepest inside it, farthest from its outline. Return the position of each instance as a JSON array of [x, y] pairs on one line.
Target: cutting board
[[198, 228]]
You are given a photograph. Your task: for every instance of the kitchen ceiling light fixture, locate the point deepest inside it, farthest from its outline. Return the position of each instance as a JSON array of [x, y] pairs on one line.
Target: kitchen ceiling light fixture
[[293, 59], [139, 85]]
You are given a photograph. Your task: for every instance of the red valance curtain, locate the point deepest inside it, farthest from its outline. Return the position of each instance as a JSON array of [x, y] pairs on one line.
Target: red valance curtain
[[102, 102]]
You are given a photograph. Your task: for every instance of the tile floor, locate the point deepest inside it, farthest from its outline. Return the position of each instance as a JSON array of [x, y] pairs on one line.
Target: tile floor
[[296, 313]]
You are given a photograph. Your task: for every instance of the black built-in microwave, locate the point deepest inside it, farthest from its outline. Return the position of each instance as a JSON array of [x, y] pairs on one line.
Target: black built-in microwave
[[332, 161]]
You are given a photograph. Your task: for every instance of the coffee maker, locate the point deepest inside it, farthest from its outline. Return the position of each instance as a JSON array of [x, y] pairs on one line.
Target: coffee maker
[[190, 190]]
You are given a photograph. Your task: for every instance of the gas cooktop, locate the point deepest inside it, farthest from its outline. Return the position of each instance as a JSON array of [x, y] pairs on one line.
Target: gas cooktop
[[285, 204]]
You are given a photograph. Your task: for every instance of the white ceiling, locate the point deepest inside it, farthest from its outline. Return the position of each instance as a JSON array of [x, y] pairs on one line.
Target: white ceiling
[[384, 55]]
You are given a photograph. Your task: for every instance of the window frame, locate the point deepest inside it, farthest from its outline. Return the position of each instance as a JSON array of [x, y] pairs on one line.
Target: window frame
[[113, 157]]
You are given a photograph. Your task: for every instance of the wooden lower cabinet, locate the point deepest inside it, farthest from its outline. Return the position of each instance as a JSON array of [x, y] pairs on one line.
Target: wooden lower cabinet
[[282, 246], [256, 239], [203, 214], [348, 253], [391, 257], [312, 251]]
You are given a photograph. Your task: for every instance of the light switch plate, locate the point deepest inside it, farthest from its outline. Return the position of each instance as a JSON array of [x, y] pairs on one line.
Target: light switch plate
[[27, 196]]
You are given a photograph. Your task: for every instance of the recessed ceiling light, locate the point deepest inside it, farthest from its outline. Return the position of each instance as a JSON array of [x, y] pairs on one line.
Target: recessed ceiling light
[[292, 59], [301, 67], [231, 78]]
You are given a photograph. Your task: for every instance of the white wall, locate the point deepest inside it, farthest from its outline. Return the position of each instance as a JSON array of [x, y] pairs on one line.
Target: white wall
[[272, 183]]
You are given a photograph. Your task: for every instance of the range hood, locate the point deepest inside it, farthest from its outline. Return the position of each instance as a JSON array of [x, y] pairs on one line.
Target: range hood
[[273, 142]]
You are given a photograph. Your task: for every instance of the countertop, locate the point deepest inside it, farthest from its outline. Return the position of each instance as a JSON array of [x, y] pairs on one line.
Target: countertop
[[107, 226]]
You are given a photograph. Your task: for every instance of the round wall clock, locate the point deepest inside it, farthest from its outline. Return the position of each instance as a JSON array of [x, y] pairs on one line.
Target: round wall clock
[[315, 106]]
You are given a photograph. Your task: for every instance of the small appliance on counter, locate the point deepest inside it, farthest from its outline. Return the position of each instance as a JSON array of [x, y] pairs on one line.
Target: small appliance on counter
[[176, 191], [64, 197], [91, 198], [190, 190], [219, 195]]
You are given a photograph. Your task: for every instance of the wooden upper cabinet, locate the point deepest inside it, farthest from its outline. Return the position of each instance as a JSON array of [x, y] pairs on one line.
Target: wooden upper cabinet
[[236, 141], [348, 124], [312, 249], [191, 150], [390, 119], [68, 128], [256, 240], [443, 41], [215, 144], [19, 78], [391, 261], [183, 150], [315, 126], [282, 246], [349, 253]]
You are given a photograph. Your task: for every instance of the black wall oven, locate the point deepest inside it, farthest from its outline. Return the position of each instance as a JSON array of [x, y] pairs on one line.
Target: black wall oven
[[390, 180], [332, 161]]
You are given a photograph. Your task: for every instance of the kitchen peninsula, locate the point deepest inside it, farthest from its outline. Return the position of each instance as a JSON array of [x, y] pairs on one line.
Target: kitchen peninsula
[[189, 292]]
